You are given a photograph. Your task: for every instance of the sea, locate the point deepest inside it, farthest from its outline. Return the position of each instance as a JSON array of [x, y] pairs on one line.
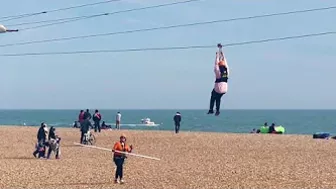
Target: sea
[[230, 121]]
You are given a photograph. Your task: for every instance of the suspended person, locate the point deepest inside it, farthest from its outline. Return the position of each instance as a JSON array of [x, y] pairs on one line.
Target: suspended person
[[177, 120], [222, 73], [96, 118], [119, 158]]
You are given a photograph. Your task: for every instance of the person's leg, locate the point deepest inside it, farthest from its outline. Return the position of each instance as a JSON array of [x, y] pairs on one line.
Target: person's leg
[[178, 127], [121, 170], [58, 150], [95, 126], [116, 172], [82, 136], [49, 152], [36, 149], [212, 101], [175, 127], [218, 102], [117, 161], [98, 122]]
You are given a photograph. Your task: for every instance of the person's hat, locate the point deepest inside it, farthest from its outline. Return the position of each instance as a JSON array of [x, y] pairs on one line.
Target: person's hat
[[122, 136]]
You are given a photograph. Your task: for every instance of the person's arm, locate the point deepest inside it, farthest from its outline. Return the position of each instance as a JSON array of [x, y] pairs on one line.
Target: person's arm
[[216, 67], [115, 147], [227, 67], [129, 148]]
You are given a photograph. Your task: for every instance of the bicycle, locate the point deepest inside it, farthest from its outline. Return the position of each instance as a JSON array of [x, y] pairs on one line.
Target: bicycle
[[89, 138]]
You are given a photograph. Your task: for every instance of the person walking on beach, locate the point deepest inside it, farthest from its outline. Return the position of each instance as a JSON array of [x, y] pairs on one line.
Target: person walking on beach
[[177, 120], [41, 141], [118, 119], [119, 158], [85, 127], [54, 143], [96, 118], [222, 74]]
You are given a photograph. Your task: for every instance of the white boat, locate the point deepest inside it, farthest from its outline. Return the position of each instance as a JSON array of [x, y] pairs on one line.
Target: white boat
[[148, 122]]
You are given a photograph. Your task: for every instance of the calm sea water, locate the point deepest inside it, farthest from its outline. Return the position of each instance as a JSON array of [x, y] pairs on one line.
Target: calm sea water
[[234, 121]]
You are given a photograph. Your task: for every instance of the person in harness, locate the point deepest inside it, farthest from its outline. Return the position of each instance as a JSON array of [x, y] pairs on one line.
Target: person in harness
[[119, 158], [222, 74]]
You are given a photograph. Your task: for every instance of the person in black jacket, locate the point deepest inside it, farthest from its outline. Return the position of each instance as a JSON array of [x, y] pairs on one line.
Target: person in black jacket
[[96, 118], [177, 120], [41, 141], [53, 143], [85, 127], [87, 114]]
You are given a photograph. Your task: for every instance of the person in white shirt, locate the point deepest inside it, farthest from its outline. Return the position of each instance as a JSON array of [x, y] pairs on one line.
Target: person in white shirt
[[118, 119]]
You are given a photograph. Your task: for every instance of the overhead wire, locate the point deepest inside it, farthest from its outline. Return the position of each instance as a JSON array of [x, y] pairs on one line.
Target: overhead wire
[[264, 15], [73, 19], [171, 48], [167, 27], [13, 17]]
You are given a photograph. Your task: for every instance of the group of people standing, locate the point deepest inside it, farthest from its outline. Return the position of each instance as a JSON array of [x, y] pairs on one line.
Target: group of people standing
[[96, 118]]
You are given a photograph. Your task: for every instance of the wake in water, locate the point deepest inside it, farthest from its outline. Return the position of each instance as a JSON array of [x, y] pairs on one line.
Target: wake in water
[[137, 125]]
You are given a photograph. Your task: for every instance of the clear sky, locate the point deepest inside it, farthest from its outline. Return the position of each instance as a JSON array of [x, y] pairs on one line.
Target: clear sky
[[294, 74]]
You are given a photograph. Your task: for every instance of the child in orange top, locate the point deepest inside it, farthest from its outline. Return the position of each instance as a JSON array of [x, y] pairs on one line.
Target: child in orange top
[[119, 158]]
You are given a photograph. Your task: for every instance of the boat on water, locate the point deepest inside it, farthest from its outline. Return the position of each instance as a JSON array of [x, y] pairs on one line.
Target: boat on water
[[148, 122]]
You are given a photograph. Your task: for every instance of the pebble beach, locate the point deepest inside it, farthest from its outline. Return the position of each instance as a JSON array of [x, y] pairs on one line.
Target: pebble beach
[[187, 160]]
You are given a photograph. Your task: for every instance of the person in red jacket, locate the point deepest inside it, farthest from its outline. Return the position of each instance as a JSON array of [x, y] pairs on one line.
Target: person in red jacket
[[119, 158]]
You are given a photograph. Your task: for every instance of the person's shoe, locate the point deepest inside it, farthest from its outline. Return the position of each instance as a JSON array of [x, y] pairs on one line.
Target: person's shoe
[[122, 181], [210, 112], [116, 181], [35, 155], [217, 113]]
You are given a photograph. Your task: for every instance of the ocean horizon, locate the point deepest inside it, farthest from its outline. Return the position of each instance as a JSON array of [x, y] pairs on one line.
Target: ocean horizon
[[296, 121]]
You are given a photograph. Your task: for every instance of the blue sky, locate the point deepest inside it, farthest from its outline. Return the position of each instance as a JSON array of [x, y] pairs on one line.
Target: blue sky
[[295, 74]]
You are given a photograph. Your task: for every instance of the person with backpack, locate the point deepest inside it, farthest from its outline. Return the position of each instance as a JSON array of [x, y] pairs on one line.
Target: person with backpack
[[96, 118]]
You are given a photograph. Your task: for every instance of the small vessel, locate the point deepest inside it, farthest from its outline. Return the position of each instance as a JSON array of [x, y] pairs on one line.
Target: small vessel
[[148, 122]]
